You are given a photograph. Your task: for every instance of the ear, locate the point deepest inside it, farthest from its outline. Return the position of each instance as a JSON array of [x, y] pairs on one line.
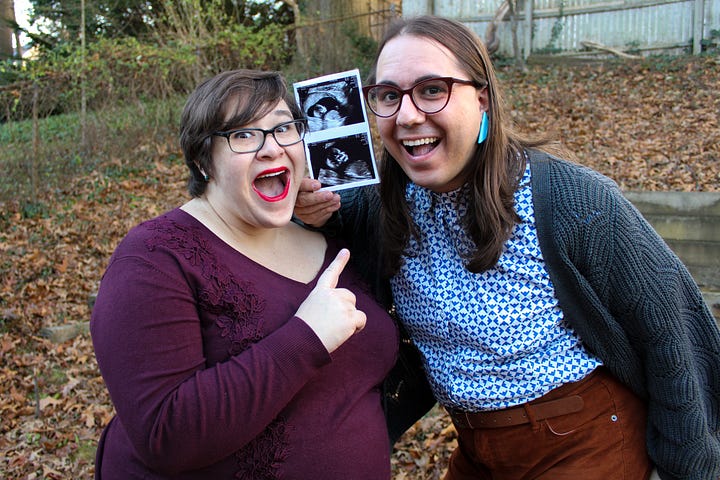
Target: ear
[[484, 99]]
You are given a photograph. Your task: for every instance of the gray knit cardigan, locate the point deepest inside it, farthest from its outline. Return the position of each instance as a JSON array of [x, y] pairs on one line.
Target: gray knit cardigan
[[627, 295]]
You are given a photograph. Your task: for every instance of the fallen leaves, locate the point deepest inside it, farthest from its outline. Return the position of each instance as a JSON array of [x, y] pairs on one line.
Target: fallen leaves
[[650, 125], [422, 453], [52, 410]]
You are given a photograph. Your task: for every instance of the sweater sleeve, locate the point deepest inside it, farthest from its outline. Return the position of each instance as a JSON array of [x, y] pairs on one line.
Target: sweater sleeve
[[357, 223], [178, 413], [662, 312], [635, 305]]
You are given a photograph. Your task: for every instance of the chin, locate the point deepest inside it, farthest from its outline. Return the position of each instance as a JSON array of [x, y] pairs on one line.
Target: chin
[[436, 183], [424, 178], [277, 222]]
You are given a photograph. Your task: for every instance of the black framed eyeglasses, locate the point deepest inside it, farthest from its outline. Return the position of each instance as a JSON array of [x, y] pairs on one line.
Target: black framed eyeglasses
[[429, 96], [248, 140]]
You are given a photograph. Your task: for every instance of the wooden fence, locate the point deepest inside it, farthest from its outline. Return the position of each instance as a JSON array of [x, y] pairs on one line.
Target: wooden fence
[[563, 27]]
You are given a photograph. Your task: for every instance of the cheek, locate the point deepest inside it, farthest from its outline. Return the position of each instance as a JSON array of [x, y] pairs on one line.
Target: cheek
[[297, 155], [464, 129], [385, 128]]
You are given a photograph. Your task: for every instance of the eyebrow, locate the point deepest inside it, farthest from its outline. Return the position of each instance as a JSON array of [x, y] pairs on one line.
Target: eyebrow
[[280, 114], [287, 113], [416, 81]]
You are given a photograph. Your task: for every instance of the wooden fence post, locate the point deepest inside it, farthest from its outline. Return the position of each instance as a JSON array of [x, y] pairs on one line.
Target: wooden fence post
[[528, 27], [698, 20]]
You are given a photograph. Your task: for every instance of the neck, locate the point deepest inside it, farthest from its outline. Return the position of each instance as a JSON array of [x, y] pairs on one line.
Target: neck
[[238, 235], [290, 251]]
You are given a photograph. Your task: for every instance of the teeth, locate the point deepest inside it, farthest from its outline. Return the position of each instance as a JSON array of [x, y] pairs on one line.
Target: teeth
[[420, 141], [270, 175]]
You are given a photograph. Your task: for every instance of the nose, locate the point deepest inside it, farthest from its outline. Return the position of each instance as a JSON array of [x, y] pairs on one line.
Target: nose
[[408, 113], [270, 147]]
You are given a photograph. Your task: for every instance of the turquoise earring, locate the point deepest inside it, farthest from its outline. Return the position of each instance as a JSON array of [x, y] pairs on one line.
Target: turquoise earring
[[484, 125], [205, 176]]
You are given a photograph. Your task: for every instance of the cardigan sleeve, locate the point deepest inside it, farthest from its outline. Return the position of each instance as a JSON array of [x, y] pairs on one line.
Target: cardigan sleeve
[[636, 306], [662, 312], [358, 224], [407, 394]]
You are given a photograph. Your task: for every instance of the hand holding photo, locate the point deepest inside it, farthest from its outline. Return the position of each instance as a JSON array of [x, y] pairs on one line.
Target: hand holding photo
[[338, 143]]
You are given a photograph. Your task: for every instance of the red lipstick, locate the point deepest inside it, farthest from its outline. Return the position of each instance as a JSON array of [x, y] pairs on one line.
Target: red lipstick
[[268, 178]]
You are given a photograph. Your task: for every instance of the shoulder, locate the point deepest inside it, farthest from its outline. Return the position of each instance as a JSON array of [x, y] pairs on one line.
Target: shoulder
[[557, 181], [360, 203], [574, 203], [559, 171], [361, 195], [174, 230]]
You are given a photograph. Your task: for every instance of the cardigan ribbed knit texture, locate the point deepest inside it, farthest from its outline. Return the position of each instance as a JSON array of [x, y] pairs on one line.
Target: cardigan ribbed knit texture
[[628, 296]]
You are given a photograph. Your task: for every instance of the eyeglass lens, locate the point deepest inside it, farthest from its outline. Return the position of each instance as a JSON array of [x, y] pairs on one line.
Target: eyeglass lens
[[252, 139], [429, 96]]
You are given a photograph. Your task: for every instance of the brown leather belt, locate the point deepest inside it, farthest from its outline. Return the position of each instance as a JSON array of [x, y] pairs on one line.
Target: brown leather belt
[[509, 417]]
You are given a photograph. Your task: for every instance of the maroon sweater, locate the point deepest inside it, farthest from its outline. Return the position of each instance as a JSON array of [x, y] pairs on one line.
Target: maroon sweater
[[213, 377]]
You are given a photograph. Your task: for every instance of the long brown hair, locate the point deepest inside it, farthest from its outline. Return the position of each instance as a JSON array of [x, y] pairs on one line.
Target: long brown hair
[[493, 172]]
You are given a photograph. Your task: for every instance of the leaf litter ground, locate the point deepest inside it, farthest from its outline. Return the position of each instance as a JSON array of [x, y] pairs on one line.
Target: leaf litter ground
[[649, 125]]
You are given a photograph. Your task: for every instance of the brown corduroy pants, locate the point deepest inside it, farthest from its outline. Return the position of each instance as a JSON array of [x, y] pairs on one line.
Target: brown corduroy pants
[[603, 441]]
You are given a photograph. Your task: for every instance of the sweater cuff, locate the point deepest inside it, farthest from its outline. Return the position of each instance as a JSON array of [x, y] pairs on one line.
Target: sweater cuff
[[297, 348]]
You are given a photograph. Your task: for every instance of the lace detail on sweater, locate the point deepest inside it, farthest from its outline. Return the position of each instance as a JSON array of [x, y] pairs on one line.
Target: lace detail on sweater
[[236, 303], [239, 310], [261, 458]]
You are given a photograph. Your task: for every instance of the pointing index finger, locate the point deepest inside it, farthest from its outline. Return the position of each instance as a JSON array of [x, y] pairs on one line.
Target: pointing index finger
[[330, 276]]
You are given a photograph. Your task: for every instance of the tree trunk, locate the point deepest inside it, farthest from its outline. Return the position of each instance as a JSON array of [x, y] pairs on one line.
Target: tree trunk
[[299, 38], [7, 26], [519, 60]]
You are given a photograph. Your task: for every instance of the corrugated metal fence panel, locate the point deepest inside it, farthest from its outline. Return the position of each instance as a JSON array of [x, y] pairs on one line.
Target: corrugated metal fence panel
[[562, 25], [657, 26], [712, 16], [465, 9]]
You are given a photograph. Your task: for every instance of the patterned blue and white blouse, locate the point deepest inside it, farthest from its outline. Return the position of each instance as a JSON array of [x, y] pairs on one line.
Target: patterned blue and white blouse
[[490, 340]]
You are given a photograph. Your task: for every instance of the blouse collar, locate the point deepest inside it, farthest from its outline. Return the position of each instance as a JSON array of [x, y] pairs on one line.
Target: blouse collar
[[422, 200]]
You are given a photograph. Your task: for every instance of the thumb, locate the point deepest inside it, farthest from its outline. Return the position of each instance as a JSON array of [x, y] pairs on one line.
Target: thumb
[[330, 276], [309, 185]]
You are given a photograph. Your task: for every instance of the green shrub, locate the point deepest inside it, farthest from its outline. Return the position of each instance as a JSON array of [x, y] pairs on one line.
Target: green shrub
[[40, 159]]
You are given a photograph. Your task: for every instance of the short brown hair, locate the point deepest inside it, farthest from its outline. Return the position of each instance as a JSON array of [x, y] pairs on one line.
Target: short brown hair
[[251, 92]]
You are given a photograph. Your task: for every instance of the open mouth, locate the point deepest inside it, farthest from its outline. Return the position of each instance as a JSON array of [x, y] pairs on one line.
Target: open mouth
[[421, 146], [272, 185]]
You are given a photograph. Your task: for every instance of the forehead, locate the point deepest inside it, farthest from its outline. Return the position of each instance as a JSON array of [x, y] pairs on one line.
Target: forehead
[[236, 110], [407, 59]]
